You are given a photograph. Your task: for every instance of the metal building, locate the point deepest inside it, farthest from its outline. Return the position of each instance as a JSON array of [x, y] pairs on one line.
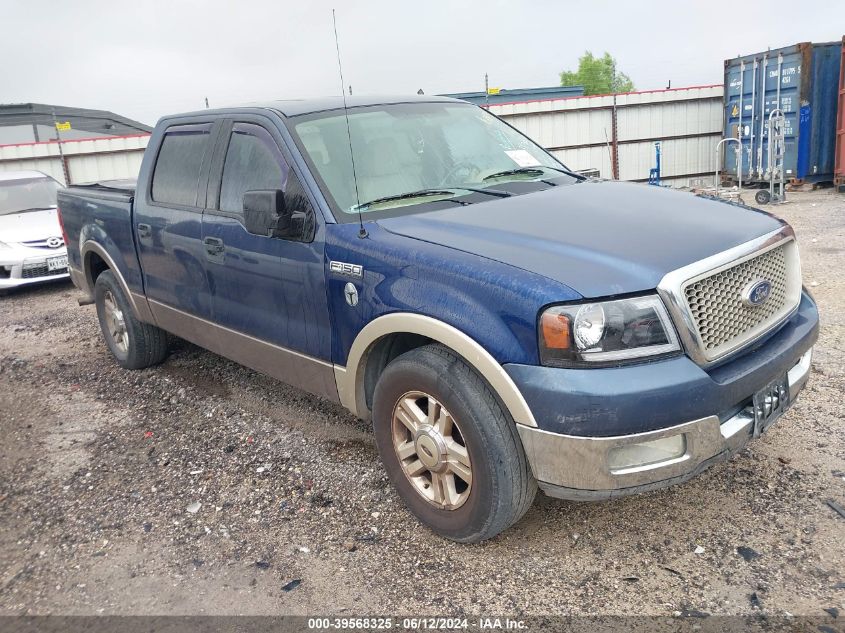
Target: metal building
[[505, 95], [34, 123], [74, 145], [615, 134]]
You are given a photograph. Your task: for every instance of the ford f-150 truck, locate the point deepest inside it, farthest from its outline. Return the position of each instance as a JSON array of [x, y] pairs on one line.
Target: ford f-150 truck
[[504, 322]]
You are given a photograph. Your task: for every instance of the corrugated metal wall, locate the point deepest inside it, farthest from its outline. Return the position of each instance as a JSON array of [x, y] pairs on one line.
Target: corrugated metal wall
[[88, 160], [581, 132]]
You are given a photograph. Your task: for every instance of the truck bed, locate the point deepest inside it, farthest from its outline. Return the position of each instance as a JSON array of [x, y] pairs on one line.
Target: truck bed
[[101, 213], [109, 188]]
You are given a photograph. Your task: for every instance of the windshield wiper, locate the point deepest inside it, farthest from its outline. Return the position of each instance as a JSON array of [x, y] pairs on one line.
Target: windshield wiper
[[526, 171], [531, 171], [422, 193], [490, 192], [425, 193], [568, 172]]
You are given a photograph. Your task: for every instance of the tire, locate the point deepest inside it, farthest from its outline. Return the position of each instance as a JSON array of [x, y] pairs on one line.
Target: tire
[[501, 487], [763, 196], [134, 344]]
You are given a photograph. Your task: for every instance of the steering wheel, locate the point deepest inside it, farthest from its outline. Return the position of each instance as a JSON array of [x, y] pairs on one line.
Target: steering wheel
[[468, 168]]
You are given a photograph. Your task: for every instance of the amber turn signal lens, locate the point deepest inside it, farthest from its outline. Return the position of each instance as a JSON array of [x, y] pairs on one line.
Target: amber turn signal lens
[[555, 328]]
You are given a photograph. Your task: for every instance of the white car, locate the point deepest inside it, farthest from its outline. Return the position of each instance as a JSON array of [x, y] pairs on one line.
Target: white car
[[32, 249]]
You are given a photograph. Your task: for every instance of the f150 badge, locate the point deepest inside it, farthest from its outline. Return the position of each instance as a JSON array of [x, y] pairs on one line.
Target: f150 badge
[[757, 293], [350, 270]]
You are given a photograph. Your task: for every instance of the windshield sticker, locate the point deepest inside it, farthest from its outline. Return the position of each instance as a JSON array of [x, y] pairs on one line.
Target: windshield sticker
[[522, 157]]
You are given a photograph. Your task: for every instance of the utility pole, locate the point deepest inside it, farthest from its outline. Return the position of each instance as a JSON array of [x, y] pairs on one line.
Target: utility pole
[[486, 92], [61, 151], [206, 103]]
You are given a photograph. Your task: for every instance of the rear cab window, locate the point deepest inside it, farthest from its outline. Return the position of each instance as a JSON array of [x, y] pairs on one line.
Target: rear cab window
[[179, 164]]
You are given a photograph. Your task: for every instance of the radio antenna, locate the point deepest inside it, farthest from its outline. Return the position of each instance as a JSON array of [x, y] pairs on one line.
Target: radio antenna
[[362, 232]]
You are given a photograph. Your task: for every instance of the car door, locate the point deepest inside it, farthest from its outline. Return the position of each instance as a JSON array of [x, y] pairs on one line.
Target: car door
[[269, 289], [168, 224]]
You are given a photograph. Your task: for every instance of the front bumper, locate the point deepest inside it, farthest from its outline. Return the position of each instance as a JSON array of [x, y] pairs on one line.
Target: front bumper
[[580, 468], [593, 423], [30, 268]]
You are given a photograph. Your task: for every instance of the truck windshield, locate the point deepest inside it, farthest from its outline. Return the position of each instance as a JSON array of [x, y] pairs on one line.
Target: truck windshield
[[449, 148], [27, 194]]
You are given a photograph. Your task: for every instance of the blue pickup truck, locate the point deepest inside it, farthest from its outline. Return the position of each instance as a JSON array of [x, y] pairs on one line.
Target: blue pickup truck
[[504, 322]]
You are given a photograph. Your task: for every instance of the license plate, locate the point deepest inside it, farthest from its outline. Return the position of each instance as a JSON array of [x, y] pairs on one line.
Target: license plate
[[57, 263], [769, 404]]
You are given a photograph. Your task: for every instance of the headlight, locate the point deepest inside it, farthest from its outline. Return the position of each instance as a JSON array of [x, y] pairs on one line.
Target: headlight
[[605, 332]]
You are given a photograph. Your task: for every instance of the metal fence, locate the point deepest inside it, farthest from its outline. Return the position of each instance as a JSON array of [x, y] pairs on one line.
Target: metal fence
[[85, 160], [616, 133]]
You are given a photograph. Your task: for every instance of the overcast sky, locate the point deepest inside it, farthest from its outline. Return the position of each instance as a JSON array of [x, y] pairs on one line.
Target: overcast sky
[[144, 59]]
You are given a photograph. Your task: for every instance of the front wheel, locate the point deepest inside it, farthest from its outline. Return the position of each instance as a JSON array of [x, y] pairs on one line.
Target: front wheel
[[763, 196], [451, 451], [133, 343]]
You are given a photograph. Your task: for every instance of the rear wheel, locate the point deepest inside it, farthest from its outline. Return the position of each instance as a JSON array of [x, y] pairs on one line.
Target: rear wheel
[[450, 449], [763, 196], [134, 344]]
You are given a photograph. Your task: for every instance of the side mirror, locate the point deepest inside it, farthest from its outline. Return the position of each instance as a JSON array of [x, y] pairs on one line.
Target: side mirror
[[271, 213], [264, 212]]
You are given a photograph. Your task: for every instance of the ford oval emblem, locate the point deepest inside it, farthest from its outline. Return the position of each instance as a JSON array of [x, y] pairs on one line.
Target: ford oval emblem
[[757, 293]]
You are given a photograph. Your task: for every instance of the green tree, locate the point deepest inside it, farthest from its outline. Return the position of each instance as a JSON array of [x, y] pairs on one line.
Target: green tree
[[598, 75]]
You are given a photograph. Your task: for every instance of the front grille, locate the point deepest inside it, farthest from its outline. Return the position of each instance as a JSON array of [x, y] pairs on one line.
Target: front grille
[[716, 302], [722, 320], [50, 243], [31, 271]]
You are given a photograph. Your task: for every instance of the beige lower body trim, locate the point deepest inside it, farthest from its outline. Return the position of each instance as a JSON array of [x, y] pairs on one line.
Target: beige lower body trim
[[294, 368], [350, 380]]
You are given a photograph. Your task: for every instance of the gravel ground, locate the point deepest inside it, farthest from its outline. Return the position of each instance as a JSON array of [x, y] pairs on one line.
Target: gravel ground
[[201, 487]]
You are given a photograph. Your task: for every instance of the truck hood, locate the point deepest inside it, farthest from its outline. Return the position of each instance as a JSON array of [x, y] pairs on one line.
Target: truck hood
[[599, 238], [29, 226]]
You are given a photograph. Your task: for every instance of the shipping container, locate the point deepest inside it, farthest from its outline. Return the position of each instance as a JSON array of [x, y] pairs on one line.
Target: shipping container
[[840, 126], [803, 81]]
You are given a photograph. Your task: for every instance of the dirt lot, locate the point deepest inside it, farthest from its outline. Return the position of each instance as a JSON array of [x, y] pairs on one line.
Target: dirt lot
[[100, 468]]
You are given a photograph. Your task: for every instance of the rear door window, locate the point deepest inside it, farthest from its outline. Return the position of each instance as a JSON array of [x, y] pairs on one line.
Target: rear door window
[[179, 164], [253, 162]]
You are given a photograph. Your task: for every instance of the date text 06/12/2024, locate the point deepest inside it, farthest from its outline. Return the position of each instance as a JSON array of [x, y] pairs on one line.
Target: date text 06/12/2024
[[415, 624]]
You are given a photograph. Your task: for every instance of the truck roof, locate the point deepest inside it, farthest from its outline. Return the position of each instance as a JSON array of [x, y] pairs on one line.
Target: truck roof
[[296, 107]]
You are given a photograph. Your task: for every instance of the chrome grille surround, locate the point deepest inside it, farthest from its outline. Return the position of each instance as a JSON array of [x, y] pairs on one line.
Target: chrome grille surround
[[705, 298]]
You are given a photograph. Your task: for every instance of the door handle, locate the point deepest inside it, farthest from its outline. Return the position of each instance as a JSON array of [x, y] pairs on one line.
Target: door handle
[[213, 245], [144, 230]]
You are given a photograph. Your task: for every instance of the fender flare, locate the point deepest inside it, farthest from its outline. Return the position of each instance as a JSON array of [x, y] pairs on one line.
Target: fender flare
[[350, 379], [138, 303]]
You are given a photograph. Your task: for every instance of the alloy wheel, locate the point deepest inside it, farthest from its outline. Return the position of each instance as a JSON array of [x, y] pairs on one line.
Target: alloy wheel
[[431, 450], [115, 322]]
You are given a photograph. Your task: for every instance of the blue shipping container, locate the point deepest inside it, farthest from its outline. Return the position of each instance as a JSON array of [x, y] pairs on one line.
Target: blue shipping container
[[804, 80]]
